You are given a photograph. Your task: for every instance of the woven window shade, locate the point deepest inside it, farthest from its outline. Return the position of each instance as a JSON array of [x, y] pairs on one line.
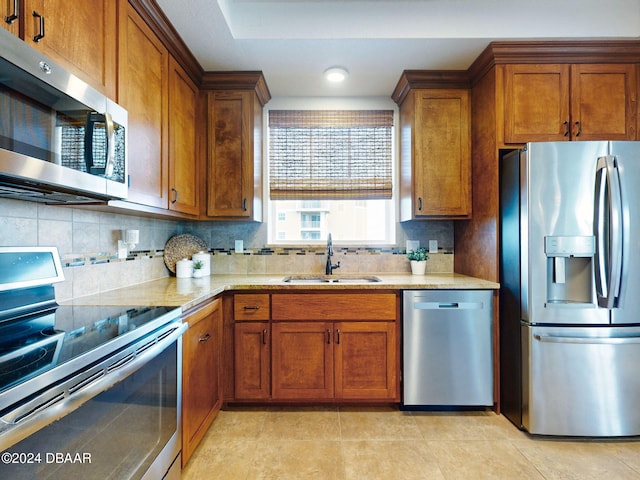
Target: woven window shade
[[330, 154]]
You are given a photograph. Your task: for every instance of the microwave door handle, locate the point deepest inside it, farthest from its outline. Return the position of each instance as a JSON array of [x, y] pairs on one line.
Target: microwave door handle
[[111, 145], [88, 140]]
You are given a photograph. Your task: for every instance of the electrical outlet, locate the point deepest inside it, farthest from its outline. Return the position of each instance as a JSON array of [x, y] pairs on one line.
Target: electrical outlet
[[433, 246], [413, 245], [239, 247]]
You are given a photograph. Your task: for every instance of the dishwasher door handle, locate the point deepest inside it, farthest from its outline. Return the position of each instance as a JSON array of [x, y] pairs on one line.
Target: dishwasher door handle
[[448, 305]]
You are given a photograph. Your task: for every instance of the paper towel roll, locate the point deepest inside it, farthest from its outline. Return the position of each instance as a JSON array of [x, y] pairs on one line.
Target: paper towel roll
[[205, 258], [184, 268]]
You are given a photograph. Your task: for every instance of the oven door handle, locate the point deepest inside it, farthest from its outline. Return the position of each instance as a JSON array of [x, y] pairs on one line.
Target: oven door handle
[[29, 417]]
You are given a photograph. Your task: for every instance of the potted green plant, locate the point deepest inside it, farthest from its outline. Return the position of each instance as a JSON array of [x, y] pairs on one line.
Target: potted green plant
[[418, 260], [198, 267]]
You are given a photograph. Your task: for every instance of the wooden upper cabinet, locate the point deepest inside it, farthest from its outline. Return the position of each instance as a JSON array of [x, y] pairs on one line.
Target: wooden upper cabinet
[[603, 102], [234, 187], [143, 84], [81, 36], [561, 102], [536, 103], [435, 154], [10, 16], [183, 145]]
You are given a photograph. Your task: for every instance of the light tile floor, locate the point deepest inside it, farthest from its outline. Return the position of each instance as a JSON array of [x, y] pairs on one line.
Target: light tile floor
[[350, 443]]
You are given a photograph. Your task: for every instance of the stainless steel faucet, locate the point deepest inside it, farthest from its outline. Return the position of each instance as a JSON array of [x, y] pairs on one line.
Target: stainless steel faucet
[[330, 267]]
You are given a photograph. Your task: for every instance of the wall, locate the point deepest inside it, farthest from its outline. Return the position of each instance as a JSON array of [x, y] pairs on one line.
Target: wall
[[260, 258], [87, 242]]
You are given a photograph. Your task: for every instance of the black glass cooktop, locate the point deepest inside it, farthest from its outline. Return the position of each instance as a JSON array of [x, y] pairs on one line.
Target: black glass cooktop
[[34, 344]]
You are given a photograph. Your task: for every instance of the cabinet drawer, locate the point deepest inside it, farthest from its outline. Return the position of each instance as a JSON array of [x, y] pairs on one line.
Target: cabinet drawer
[[334, 306], [251, 306]]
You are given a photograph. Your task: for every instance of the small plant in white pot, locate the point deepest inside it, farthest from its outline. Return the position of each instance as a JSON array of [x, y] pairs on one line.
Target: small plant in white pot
[[198, 269], [418, 259]]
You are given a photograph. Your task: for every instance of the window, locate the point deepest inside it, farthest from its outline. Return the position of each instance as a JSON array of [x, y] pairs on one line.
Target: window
[[331, 171], [311, 220]]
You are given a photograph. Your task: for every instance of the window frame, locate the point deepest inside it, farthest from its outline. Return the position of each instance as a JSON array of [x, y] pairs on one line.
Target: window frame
[[338, 103]]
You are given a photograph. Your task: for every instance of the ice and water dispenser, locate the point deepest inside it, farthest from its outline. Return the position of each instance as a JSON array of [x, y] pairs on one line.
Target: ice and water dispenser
[[569, 268]]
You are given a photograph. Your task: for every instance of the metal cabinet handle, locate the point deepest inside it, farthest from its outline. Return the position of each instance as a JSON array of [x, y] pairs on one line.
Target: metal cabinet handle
[[419, 203], [566, 128], [40, 35], [328, 336], [579, 125], [13, 16], [264, 336], [338, 336], [251, 307], [244, 204], [175, 195], [205, 338]]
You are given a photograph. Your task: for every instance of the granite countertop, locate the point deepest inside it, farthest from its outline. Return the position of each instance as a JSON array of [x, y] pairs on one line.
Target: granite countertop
[[188, 292]]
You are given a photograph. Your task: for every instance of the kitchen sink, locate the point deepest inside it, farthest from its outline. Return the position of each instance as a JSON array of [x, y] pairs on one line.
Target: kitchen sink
[[311, 279]]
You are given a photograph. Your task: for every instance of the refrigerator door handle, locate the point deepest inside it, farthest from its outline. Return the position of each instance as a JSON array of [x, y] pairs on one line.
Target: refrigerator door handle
[[607, 226], [588, 340]]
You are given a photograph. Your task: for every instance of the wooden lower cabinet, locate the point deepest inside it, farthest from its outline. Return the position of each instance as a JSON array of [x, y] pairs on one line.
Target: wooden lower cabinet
[[334, 360], [302, 360], [316, 347], [366, 361], [252, 357], [201, 392]]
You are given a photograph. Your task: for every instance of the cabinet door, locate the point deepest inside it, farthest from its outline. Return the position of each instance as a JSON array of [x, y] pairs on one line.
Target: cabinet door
[[81, 36], [231, 155], [10, 15], [252, 354], [183, 148], [442, 163], [603, 102], [302, 360], [201, 397], [366, 361], [536, 103], [143, 91]]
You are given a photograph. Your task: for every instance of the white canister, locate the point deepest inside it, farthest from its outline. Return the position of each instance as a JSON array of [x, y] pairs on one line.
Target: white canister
[[184, 268], [205, 258]]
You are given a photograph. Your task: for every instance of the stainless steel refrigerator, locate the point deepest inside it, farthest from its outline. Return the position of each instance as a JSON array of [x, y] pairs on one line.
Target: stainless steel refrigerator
[[570, 296]]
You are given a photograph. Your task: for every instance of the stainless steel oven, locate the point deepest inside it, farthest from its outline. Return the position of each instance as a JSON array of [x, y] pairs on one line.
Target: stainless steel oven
[[89, 392]]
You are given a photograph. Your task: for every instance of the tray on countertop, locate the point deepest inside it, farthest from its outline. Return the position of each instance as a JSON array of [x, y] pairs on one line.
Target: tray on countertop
[[182, 246]]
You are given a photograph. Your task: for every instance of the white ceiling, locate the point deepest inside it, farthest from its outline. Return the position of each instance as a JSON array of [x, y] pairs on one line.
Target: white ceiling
[[293, 41]]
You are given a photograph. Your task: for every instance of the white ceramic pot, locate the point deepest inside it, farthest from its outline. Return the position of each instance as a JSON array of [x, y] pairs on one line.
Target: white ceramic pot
[[418, 267], [184, 268], [205, 258], [198, 272]]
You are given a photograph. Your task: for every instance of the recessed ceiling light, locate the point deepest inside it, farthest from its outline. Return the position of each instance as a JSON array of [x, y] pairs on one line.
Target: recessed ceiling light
[[336, 74]]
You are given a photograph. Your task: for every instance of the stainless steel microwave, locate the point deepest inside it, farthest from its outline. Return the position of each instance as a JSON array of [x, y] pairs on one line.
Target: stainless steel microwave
[[61, 141]]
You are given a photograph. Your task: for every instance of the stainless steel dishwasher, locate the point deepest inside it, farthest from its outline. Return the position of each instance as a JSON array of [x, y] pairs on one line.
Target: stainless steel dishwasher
[[448, 348]]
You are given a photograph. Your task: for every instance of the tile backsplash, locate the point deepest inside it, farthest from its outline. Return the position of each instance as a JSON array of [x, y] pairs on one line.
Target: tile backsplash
[[304, 260], [87, 241]]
